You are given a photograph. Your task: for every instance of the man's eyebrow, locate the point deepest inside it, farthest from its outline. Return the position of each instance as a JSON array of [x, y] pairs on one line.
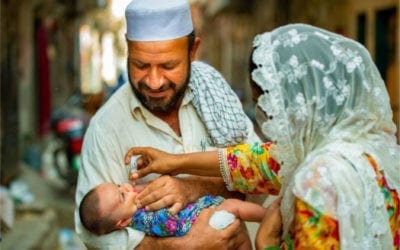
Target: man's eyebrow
[[134, 60], [170, 62], [173, 62]]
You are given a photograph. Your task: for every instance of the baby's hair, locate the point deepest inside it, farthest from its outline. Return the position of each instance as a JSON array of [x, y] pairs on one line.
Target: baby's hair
[[90, 216]]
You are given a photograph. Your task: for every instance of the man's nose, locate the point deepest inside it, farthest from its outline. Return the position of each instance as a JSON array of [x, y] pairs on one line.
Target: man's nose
[[155, 79]]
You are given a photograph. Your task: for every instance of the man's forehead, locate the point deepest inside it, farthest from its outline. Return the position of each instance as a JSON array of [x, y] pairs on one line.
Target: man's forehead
[[160, 45], [158, 52]]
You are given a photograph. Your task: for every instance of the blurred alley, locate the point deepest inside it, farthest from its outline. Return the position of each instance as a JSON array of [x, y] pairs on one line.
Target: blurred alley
[[61, 60]]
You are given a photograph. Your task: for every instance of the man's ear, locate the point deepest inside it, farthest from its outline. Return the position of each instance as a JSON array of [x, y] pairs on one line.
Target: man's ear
[[123, 223], [195, 48]]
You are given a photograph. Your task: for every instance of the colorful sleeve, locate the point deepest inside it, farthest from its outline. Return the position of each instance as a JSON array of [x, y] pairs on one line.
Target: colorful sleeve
[[250, 169], [312, 229]]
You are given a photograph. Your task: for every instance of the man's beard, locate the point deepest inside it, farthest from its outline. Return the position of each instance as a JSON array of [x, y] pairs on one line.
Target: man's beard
[[157, 105]]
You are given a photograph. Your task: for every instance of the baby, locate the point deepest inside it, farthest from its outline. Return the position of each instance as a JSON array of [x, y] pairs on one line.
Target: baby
[[109, 207]]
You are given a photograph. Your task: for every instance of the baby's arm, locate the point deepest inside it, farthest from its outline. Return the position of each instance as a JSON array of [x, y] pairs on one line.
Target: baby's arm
[[243, 210]]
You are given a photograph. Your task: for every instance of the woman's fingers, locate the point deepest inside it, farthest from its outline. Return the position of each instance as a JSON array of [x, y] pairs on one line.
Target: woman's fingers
[[151, 160], [145, 152], [143, 172], [146, 156]]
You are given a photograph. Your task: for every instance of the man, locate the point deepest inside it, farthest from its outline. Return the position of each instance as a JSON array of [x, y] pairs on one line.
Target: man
[[171, 103]]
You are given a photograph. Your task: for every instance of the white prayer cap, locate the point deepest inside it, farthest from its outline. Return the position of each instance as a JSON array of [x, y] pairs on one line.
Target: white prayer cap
[[158, 20]]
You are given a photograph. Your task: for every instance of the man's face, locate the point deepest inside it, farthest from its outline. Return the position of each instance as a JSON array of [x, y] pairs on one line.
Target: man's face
[[159, 72]]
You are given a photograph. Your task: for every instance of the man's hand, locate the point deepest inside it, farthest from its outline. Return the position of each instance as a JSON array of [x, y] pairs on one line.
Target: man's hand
[[206, 237], [202, 236], [165, 191], [270, 230]]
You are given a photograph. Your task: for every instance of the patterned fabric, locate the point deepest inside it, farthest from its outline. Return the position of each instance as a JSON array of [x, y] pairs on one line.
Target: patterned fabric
[[251, 170], [254, 171], [162, 223], [325, 106], [314, 230], [218, 106]]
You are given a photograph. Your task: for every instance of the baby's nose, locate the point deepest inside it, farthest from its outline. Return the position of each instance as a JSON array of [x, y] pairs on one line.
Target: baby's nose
[[128, 187]]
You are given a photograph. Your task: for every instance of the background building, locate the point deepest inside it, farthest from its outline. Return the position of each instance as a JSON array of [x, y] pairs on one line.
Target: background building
[[227, 29]]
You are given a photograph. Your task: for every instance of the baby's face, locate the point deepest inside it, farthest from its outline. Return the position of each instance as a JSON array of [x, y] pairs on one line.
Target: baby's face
[[117, 200]]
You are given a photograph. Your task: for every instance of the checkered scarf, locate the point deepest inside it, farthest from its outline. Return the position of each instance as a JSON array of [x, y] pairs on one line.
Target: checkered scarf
[[218, 106]]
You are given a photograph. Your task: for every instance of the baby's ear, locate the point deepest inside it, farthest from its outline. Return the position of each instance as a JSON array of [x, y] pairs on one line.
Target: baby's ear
[[123, 223]]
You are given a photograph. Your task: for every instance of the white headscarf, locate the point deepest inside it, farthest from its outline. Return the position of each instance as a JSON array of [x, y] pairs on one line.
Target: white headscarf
[[326, 104]]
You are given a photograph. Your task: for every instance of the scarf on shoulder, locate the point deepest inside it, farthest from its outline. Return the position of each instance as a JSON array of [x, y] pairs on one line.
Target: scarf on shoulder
[[218, 106]]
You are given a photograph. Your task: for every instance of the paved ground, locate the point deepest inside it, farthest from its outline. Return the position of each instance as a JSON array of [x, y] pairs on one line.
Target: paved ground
[[39, 224]]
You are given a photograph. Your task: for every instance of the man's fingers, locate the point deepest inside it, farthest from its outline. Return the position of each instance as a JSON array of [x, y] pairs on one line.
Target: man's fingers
[[146, 195], [158, 204], [205, 215], [139, 187], [176, 208], [240, 238], [154, 200], [274, 205], [234, 228]]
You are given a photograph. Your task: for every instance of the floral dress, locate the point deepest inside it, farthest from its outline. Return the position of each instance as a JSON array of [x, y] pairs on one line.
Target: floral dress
[[253, 171], [162, 223]]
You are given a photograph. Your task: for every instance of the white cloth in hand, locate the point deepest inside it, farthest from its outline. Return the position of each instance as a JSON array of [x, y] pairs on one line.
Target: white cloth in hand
[[221, 219]]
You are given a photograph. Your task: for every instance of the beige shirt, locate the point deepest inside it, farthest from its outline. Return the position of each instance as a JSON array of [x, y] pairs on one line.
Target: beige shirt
[[119, 125]]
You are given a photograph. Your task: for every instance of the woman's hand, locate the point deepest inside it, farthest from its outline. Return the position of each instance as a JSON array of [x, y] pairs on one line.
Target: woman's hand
[[270, 230], [151, 160]]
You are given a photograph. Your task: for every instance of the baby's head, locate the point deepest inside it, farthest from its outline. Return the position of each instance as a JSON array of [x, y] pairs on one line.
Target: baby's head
[[108, 207]]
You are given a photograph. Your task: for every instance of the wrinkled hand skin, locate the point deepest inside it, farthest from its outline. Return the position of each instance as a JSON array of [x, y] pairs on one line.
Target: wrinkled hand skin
[[201, 236], [166, 191], [270, 229]]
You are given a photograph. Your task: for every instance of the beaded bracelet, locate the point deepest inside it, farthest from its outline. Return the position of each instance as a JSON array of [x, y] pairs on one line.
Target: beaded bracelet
[[223, 170]]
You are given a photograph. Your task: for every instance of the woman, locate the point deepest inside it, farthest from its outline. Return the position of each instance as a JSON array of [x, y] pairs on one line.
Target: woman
[[332, 153]]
